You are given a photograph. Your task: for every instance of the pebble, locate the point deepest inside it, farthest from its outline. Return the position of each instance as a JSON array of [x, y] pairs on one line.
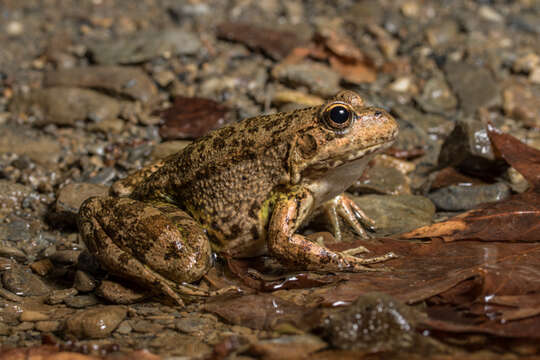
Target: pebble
[[30, 315], [124, 328], [122, 81], [318, 78], [144, 46], [146, 326], [14, 28], [522, 103], [67, 105], [12, 195], [65, 257], [437, 97], [95, 323], [466, 197], [42, 149], [24, 283], [4, 329], [107, 126], [42, 267], [396, 214], [468, 147], [47, 326], [81, 301], [474, 85], [84, 282], [374, 323], [71, 196], [8, 295]]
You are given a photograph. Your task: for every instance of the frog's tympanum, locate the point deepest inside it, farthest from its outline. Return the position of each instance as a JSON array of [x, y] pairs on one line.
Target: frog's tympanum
[[243, 190]]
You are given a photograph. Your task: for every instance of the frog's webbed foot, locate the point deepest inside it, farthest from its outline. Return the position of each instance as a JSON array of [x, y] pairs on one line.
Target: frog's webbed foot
[[344, 207], [290, 247]]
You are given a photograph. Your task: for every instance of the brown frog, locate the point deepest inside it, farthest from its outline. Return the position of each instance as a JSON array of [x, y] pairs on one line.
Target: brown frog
[[243, 190]]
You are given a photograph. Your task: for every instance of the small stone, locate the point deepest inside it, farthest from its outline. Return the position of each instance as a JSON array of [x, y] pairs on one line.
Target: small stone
[[47, 326], [468, 148], [459, 197], [146, 326], [402, 84], [526, 63], [194, 325], [8, 295], [95, 323], [66, 257], [42, 149], [112, 126], [164, 78], [42, 267], [296, 97], [23, 283], [29, 315], [318, 78], [374, 323], [488, 13], [124, 328], [65, 106], [442, 33], [81, 302], [4, 329], [437, 96], [71, 196], [288, 347], [122, 81], [161, 151], [84, 282], [144, 46], [410, 8], [11, 252], [534, 76], [522, 103], [14, 28], [396, 214], [12, 195], [474, 85], [58, 296]]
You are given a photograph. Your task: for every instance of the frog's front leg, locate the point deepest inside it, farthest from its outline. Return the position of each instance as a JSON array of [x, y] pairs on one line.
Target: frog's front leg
[[344, 207], [290, 247], [153, 244]]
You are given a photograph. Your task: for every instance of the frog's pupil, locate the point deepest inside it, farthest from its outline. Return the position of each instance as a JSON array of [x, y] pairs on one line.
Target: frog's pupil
[[339, 114]]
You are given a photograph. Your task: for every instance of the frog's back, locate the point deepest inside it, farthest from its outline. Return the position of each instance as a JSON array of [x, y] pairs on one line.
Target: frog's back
[[223, 179]]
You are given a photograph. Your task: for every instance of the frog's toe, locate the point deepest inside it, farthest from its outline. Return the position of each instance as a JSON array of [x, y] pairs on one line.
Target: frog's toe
[[344, 207]]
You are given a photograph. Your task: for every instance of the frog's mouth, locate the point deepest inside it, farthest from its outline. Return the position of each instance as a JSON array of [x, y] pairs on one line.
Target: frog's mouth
[[322, 166]]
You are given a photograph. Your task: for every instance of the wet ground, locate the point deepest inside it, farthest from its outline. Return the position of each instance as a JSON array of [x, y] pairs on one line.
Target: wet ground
[[92, 90]]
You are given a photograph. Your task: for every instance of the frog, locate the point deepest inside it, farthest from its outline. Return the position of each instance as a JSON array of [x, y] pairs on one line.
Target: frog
[[243, 190]]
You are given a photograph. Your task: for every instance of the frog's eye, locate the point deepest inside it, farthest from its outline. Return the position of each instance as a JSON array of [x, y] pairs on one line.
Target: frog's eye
[[338, 116]]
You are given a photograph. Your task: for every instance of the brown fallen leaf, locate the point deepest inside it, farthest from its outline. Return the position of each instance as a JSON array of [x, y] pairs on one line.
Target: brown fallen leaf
[[514, 219], [191, 118], [276, 44]]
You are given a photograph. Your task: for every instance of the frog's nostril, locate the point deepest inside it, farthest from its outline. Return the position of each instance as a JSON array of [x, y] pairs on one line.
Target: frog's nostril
[[377, 113]]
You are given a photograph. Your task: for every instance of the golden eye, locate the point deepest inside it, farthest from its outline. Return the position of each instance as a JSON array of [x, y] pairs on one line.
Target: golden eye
[[338, 116]]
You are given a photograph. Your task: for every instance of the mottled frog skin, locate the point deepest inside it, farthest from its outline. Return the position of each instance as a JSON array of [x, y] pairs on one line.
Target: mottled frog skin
[[243, 190]]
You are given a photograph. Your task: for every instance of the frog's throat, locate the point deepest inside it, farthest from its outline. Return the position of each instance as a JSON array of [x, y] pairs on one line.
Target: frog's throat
[[319, 167]]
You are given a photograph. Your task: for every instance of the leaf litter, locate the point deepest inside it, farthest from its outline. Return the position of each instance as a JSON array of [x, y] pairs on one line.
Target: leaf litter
[[467, 286]]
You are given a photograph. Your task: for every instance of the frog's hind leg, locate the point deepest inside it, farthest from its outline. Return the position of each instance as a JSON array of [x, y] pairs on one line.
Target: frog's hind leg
[[153, 244]]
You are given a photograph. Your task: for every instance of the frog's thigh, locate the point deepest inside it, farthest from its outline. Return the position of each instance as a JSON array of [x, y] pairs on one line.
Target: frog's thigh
[[293, 248], [155, 236]]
